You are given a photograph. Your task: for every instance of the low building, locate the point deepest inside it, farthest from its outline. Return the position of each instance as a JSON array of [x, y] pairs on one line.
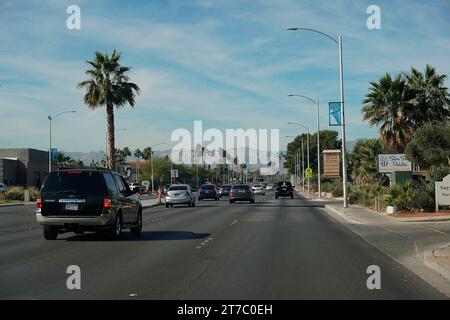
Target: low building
[[25, 167]]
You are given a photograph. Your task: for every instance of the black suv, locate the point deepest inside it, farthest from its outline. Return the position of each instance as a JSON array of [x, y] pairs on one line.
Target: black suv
[[284, 189], [87, 200]]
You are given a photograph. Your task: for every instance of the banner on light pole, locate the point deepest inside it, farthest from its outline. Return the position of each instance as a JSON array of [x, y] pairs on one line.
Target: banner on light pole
[[334, 114]]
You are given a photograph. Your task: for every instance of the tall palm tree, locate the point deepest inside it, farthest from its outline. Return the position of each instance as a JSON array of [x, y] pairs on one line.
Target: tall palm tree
[[108, 85], [389, 104]]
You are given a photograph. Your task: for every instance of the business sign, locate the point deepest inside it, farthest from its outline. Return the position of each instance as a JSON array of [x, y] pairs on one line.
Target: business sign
[[393, 162], [442, 192], [54, 154], [334, 114]]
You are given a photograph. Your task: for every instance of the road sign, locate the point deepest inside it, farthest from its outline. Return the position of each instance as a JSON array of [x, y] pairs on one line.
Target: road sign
[[442, 191], [174, 173], [334, 114], [309, 173]]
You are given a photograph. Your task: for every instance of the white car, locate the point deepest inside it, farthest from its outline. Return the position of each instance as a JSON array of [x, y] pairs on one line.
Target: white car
[[136, 187], [258, 189], [3, 187]]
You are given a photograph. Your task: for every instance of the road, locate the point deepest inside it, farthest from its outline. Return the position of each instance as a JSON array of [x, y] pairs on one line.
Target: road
[[274, 249]]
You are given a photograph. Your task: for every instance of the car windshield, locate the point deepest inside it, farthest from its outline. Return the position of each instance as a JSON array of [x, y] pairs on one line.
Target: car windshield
[[177, 188], [75, 182]]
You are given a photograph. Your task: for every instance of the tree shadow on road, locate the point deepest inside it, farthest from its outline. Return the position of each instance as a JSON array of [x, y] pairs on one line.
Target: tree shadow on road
[[145, 236]]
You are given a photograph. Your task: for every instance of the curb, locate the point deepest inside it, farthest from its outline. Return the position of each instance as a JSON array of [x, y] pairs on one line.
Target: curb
[[430, 263], [16, 204], [152, 206], [342, 215]]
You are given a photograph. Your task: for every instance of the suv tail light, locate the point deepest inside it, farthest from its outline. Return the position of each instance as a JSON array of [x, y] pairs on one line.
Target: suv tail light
[[39, 202], [106, 202], [200, 190]]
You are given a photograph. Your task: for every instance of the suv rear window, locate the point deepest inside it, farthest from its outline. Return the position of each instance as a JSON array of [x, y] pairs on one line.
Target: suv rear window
[[208, 187], [84, 182], [284, 184], [241, 187]]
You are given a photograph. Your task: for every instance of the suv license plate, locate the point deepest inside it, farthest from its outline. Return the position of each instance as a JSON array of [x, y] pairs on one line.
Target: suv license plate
[[71, 207]]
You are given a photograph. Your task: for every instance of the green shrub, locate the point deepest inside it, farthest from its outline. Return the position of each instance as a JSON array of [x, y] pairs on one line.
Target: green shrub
[[338, 191], [438, 173], [424, 197], [401, 196]]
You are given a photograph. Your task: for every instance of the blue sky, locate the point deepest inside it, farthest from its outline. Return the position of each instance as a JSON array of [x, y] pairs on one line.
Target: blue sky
[[228, 63]]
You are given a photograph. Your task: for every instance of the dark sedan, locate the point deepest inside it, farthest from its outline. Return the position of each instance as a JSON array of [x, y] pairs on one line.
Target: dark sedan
[[242, 192], [208, 191], [224, 190]]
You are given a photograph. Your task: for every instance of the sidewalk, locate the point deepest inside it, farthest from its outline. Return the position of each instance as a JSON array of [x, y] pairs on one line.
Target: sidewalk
[[439, 261], [150, 203], [435, 255]]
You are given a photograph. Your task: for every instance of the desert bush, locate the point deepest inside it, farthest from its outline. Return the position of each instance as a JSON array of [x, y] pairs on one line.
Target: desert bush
[[14, 193]]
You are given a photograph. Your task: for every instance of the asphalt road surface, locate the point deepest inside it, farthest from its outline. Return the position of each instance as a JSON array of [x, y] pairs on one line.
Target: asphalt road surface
[[274, 249]]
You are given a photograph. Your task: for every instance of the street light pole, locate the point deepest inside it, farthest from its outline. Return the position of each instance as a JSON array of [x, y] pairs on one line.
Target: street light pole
[[341, 89], [307, 147], [344, 165], [50, 118], [317, 103], [151, 162]]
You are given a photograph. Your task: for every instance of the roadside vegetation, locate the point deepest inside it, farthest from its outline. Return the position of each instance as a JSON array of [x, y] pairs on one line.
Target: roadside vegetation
[[412, 111]]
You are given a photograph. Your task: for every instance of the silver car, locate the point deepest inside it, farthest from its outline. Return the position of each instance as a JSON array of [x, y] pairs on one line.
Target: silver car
[[179, 194], [259, 189]]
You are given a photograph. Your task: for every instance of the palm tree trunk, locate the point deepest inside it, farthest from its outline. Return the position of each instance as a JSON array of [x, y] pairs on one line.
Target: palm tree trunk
[[111, 147]]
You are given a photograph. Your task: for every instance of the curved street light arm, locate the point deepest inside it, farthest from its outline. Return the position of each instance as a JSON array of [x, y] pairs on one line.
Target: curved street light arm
[[316, 31]]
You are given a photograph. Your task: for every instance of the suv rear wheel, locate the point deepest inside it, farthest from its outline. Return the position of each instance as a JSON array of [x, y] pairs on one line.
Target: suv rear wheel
[[116, 231], [50, 232], [138, 229]]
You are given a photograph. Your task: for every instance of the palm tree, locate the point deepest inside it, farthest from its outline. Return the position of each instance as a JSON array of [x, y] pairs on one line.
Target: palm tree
[[362, 164], [147, 153], [431, 98], [389, 104], [108, 85]]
